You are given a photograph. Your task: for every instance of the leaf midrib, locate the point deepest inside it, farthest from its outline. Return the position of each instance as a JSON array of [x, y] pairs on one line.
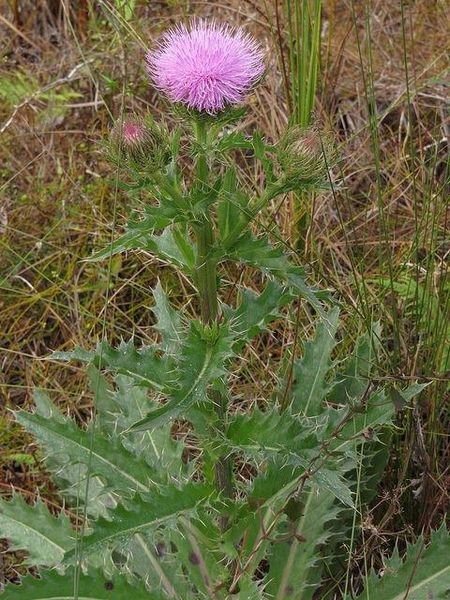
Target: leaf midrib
[[91, 451], [420, 584], [39, 533]]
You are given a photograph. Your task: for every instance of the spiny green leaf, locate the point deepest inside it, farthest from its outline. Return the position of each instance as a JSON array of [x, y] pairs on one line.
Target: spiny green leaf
[[106, 458], [81, 489], [94, 586], [271, 478], [309, 387], [129, 240], [202, 197], [361, 423], [152, 558], [234, 140], [424, 572], [248, 589], [334, 481], [294, 563], [202, 359], [282, 437], [269, 431], [46, 408], [351, 383], [173, 247], [259, 253], [160, 506], [144, 365], [204, 567], [138, 234], [168, 321], [80, 354], [32, 528], [232, 202], [256, 311], [118, 408], [72, 479]]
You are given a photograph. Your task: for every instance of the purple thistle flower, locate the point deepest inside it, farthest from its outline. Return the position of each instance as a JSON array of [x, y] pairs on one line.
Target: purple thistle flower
[[206, 66]]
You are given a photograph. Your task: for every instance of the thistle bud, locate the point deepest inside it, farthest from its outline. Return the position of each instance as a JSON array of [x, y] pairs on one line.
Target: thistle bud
[[139, 145], [305, 156]]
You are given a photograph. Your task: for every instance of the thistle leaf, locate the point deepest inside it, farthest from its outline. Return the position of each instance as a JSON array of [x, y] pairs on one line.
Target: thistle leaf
[[202, 359], [232, 202], [295, 564], [270, 432], [351, 383], [288, 441], [152, 559], [172, 246], [424, 572], [138, 234], [260, 254], [144, 365], [94, 586], [256, 311], [129, 240], [117, 409], [33, 528], [168, 321], [248, 590], [234, 140], [106, 458], [309, 387], [204, 567], [160, 506]]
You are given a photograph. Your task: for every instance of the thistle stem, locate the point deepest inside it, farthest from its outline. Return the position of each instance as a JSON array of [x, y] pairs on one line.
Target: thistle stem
[[206, 280], [206, 273]]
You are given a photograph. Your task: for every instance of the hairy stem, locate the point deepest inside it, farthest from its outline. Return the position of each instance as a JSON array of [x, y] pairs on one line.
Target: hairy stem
[[206, 279]]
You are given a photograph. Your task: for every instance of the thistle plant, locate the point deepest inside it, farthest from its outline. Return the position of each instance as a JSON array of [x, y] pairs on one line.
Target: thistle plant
[[147, 522]]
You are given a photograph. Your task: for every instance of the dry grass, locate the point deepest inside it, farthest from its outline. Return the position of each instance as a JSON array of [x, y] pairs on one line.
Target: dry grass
[[387, 217]]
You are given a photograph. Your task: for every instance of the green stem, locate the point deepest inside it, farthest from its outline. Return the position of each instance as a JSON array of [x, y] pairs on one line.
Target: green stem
[[206, 280], [206, 273]]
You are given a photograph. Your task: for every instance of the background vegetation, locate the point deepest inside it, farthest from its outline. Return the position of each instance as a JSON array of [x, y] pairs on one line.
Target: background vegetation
[[379, 239]]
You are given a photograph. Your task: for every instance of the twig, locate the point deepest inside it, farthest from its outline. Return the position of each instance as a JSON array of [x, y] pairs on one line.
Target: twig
[[18, 32], [46, 88]]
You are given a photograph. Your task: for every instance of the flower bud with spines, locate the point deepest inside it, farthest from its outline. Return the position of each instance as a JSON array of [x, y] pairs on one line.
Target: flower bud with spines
[[139, 145], [305, 157]]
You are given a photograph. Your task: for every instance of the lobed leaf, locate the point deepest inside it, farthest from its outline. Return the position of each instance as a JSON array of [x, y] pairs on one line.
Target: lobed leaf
[[117, 410], [95, 586], [144, 365], [256, 311], [309, 386], [168, 321], [351, 383], [202, 359], [258, 252], [33, 528], [151, 558], [423, 573], [295, 562], [106, 458], [149, 511], [288, 441]]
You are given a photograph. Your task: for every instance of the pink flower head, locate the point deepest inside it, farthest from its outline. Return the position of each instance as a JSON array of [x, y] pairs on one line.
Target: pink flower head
[[133, 132], [206, 66]]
